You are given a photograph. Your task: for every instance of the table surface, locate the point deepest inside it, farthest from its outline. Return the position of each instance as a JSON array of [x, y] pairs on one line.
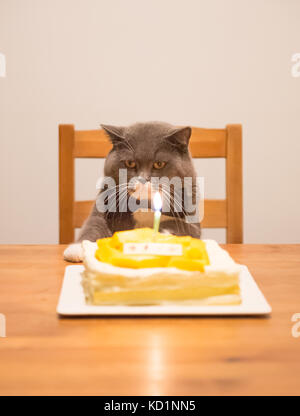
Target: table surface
[[45, 354]]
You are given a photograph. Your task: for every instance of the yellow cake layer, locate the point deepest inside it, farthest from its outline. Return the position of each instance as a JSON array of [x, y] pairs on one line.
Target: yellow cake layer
[[161, 295]]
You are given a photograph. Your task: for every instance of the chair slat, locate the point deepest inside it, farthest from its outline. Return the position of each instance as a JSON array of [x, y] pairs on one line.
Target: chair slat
[[208, 143], [215, 213], [234, 184], [82, 210], [66, 183], [204, 143], [91, 144]]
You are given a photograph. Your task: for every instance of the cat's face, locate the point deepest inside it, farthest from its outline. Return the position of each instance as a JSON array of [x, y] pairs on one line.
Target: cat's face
[[147, 151]]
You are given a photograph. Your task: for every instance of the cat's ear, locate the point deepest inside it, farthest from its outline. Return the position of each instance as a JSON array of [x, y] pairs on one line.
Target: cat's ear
[[179, 137], [115, 134]]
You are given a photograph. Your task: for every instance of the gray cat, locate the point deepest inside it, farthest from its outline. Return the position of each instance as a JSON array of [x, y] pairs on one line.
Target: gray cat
[[150, 155]]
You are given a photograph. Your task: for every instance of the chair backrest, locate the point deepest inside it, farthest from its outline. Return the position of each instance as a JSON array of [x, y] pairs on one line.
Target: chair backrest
[[204, 143]]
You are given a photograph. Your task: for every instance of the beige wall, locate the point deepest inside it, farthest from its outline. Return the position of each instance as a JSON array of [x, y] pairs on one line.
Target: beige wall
[[204, 63]]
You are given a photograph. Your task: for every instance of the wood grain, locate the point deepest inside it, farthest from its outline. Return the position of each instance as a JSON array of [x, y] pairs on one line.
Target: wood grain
[[66, 183], [44, 354], [215, 214], [91, 144], [234, 184], [206, 143], [82, 210]]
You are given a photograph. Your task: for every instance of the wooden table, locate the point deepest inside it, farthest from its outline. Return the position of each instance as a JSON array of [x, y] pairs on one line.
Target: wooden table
[[45, 354]]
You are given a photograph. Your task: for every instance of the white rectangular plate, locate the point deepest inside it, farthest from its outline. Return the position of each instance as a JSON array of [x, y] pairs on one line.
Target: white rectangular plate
[[72, 301]]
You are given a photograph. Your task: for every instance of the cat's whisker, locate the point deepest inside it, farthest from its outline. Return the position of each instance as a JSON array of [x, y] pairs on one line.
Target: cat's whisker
[[177, 199], [115, 187], [173, 199], [119, 200], [112, 200], [178, 219], [165, 192], [129, 146]]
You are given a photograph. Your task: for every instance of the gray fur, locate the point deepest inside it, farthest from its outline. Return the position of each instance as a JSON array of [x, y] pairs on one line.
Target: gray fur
[[144, 143]]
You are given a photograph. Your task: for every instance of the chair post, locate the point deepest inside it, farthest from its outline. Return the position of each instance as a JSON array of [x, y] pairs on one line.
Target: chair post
[[66, 183], [234, 184]]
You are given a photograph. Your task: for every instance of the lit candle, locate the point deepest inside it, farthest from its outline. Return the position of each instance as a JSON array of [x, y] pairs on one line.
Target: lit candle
[[157, 205]]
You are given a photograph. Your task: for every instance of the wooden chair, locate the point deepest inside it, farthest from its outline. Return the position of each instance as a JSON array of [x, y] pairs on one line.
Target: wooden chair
[[204, 143]]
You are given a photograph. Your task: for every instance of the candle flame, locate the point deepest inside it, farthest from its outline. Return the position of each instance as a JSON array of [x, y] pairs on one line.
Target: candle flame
[[157, 201]]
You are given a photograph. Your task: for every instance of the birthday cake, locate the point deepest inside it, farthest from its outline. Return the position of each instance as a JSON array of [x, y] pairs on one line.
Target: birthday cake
[[131, 268]]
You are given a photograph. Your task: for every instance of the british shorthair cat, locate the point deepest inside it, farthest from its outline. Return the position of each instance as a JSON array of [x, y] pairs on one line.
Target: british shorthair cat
[[145, 158]]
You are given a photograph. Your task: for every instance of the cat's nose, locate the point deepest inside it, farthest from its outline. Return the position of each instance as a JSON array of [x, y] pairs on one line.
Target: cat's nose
[[142, 190], [144, 178]]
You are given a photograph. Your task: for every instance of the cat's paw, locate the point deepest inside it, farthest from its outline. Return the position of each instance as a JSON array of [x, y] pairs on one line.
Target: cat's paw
[[73, 253]]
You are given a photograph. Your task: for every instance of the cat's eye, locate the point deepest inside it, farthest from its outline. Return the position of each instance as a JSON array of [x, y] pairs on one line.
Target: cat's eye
[[130, 164], [159, 165]]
